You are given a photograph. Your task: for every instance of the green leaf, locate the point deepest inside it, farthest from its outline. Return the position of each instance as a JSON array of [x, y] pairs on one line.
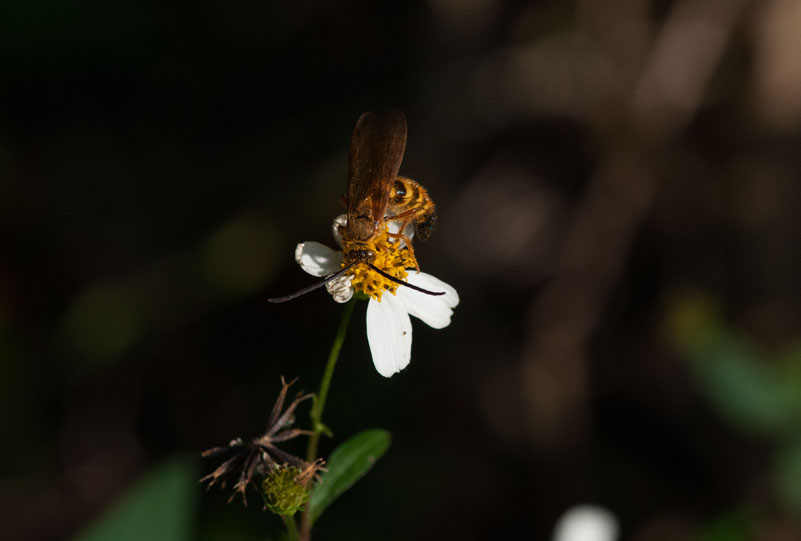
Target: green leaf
[[347, 464], [753, 393], [753, 390], [159, 507]]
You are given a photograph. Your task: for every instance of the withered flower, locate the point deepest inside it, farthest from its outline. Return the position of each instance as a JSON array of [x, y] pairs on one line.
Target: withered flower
[[259, 456]]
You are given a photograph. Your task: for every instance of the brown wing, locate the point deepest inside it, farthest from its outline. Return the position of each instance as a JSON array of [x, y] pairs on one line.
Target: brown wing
[[376, 152]]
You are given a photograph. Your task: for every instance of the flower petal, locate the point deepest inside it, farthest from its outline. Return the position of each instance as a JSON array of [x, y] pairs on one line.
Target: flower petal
[[318, 259], [340, 288], [339, 221], [434, 310], [389, 333]]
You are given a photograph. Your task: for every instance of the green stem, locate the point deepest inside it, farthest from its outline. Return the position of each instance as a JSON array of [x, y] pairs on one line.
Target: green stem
[[291, 526], [319, 402]]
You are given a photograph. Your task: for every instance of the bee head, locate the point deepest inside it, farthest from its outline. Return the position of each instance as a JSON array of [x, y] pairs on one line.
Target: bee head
[[361, 256]]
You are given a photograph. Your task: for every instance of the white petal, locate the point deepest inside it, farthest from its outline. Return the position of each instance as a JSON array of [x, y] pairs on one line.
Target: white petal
[[318, 259], [339, 221], [389, 333], [434, 310], [340, 288]]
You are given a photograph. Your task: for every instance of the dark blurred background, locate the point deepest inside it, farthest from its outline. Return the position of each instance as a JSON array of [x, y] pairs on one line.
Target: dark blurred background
[[620, 211]]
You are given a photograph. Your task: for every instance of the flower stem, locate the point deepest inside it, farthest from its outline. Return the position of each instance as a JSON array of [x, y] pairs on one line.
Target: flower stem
[[291, 527], [319, 402]]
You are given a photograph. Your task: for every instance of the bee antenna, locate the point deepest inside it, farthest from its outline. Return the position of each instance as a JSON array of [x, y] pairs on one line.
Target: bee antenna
[[407, 284], [311, 287]]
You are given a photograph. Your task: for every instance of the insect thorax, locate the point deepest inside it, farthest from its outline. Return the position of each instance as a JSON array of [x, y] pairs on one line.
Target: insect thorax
[[360, 228]]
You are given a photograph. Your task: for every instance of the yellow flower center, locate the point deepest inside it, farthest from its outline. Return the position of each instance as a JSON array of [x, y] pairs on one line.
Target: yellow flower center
[[390, 257]]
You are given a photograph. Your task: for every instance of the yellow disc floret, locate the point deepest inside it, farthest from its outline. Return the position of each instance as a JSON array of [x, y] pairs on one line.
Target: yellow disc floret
[[390, 257]]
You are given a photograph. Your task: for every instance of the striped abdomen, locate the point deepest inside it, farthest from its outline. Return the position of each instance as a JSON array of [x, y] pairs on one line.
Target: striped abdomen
[[409, 203]]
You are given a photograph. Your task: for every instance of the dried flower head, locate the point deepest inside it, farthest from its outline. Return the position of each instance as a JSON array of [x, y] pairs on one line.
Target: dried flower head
[[259, 456]]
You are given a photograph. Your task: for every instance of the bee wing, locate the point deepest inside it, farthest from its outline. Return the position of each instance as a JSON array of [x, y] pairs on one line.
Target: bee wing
[[376, 152]]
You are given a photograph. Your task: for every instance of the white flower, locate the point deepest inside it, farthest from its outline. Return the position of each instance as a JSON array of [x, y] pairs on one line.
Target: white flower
[[389, 329], [586, 523]]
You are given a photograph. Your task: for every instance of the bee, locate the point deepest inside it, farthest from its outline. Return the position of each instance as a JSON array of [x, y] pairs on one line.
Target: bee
[[377, 197], [376, 151], [409, 200]]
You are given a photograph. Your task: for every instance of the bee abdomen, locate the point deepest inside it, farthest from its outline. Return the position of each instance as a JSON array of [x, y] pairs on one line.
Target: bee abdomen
[[425, 225], [410, 199]]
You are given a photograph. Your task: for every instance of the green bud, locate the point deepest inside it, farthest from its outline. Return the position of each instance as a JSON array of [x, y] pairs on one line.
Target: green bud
[[285, 491]]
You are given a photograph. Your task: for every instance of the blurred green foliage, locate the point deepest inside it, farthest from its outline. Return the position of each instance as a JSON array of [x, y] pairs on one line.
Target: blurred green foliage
[[162, 506], [755, 391], [730, 527]]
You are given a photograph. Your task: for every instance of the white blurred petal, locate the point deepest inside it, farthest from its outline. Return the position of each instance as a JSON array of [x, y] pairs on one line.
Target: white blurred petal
[[586, 523], [434, 310], [318, 259], [389, 333]]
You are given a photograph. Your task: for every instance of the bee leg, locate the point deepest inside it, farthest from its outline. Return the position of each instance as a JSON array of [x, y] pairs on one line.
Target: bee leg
[[401, 236], [406, 217]]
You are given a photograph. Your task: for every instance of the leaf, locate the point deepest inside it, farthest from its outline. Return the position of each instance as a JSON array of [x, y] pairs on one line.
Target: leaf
[[161, 506], [751, 389], [347, 464], [753, 393]]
